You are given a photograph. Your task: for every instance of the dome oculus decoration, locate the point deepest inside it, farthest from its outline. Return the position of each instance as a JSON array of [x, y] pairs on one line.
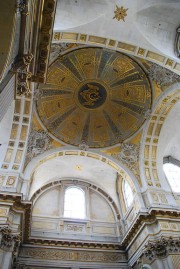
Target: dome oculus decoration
[[96, 96]]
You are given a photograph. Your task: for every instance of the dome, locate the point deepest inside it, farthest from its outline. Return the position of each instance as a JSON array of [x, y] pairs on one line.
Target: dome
[[94, 96]]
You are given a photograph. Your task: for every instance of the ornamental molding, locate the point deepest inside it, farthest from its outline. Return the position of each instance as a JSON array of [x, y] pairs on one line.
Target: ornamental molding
[[148, 218], [44, 39], [177, 42], [23, 208], [162, 76], [23, 75], [161, 248], [73, 255], [9, 241]]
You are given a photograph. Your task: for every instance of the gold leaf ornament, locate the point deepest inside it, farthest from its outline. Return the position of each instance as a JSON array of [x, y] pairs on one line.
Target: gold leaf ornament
[[120, 13]]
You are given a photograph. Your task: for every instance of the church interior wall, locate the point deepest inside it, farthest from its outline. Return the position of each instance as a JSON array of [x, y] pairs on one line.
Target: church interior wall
[[89, 107]]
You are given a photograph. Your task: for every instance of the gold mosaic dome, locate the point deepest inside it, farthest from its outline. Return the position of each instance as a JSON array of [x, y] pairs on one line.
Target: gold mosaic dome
[[94, 96]]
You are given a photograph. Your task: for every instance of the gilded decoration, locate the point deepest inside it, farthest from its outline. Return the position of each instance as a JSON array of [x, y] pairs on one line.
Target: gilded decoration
[[94, 96], [83, 256], [22, 69], [129, 155], [120, 13]]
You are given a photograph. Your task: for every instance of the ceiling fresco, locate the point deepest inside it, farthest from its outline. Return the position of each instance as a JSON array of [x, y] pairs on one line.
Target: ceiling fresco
[[94, 96]]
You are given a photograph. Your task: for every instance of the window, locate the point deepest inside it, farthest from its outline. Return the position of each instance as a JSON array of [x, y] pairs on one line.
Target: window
[[74, 203], [172, 171], [128, 194]]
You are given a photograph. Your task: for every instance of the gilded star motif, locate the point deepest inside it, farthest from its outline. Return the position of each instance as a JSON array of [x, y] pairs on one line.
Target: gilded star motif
[[120, 13]]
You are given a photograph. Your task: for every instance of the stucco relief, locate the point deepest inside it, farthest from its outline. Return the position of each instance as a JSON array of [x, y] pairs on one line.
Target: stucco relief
[[9, 241], [161, 248], [22, 68], [83, 256], [162, 76], [38, 142], [74, 228], [56, 50], [129, 155]]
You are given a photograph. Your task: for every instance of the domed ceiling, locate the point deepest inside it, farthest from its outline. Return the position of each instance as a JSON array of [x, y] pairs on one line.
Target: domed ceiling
[[96, 96]]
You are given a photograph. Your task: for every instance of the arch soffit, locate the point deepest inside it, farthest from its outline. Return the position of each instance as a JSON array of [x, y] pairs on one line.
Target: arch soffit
[[68, 151], [151, 134], [77, 182]]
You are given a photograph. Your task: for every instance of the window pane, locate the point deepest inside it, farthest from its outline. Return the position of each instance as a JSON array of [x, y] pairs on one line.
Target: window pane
[[128, 194], [74, 203], [172, 173]]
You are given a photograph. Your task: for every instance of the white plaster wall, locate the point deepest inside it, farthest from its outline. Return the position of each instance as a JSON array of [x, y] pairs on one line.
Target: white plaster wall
[[80, 167], [169, 140], [158, 26], [99, 208], [47, 204], [5, 130], [149, 23]]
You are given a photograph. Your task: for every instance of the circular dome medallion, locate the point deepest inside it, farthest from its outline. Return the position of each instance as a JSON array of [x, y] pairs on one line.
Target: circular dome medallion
[[96, 96], [92, 95]]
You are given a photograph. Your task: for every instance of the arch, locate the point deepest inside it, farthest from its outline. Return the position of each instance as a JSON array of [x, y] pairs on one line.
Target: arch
[[59, 153], [48, 211], [148, 153], [78, 183]]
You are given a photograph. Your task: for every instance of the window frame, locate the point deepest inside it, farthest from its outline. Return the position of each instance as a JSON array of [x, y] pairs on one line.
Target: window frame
[[83, 190], [171, 160], [125, 196]]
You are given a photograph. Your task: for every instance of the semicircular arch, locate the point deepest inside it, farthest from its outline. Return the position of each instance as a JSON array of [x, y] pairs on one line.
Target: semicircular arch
[[149, 168], [62, 154]]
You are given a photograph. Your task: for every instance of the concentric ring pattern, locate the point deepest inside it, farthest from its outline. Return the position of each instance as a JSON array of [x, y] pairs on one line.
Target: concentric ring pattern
[[96, 96]]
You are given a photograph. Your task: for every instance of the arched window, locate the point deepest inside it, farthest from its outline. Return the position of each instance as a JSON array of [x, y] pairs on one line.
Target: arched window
[[171, 169], [128, 194], [74, 203]]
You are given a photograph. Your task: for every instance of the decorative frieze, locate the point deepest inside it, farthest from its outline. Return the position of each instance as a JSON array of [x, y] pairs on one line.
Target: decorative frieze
[[81, 256]]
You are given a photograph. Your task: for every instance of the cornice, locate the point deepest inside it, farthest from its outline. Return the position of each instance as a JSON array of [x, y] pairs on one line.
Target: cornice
[[25, 207], [147, 218], [46, 22]]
